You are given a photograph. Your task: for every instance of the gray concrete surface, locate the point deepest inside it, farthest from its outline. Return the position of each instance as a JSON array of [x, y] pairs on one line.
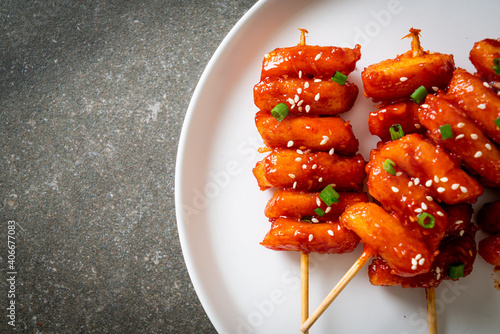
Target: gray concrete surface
[[93, 95]]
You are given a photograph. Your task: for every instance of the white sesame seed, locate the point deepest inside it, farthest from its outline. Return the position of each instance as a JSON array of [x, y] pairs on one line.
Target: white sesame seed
[[304, 166], [429, 198], [438, 270], [478, 154], [424, 206], [444, 179], [300, 109], [308, 107], [316, 98], [414, 261], [488, 146], [460, 125], [421, 261], [299, 90], [410, 184], [320, 179], [325, 140], [294, 185], [314, 166], [317, 56], [300, 74], [414, 267], [463, 189], [310, 237], [417, 126], [306, 84], [338, 227], [416, 181], [418, 210], [418, 257], [439, 213], [292, 176], [474, 136], [399, 173], [458, 222], [297, 98], [290, 143], [300, 152], [425, 106], [436, 179], [482, 106], [318, 201], [428, 183], [291, 101], [403, 198], [487, 85], [330, 232], [395, 189], [460, 136], [434, 88], [332, 151], [440, 190], [403, 79], [300, 103], [455, 186], [328, 209], [298, 159], [317, 80]]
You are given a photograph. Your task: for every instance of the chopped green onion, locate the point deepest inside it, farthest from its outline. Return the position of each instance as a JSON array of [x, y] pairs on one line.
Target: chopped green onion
[[329, 195], [396, 131], [446, 131], [423, 216], [307, 219], [280, 111], [419, 94], [456, 270], [389, 166], [496, 65], [319, 212], [497, 122], [339, 78]]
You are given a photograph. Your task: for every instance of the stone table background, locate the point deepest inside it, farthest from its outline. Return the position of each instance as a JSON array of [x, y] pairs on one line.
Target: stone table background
[[93, 95]]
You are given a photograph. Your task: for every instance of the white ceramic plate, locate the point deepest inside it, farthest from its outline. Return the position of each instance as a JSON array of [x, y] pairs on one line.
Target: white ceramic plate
[[246, 288]]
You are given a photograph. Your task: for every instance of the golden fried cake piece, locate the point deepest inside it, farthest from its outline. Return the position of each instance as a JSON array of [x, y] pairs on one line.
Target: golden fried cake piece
[[483, 55], [395, 79]]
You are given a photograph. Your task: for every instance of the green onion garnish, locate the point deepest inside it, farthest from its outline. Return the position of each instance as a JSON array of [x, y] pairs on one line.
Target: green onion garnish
[[446, 131], [307, 219], [329, 195], [280, 111], [456, 270], [497, 122], [396, 131], [389, 166], [339, 78], [496, 65], [423, 216], [419, 94], [319, 212]]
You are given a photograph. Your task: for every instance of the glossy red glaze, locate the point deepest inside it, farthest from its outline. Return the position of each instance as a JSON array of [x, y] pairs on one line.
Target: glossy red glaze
[[292, 60], [316, 133], [288, 234]]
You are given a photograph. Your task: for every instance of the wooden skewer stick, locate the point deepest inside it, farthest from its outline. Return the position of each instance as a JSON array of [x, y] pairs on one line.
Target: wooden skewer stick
[[431, 310], [304, 286], [360, 262]]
